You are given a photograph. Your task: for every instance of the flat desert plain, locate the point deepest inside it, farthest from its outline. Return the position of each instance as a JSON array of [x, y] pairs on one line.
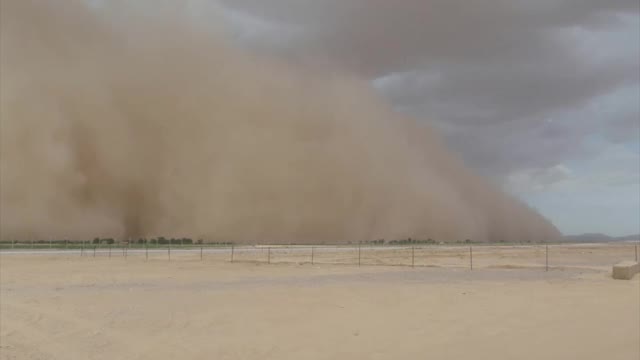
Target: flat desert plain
[[72, 307]]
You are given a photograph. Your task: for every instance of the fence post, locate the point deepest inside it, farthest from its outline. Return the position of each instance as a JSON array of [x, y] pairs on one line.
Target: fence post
[[269, 255], [169, 251], [146, 251], [312, 251], [471, 257], [359, 248], [200, 252], [636, 252], [110, 246], [546, 258], [232, 247], [413, 256]]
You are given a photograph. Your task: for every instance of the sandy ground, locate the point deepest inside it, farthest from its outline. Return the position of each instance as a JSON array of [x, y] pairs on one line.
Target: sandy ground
[[72, 307]]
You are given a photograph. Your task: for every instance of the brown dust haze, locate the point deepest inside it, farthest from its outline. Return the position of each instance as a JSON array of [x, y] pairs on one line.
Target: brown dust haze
[[124, 123]]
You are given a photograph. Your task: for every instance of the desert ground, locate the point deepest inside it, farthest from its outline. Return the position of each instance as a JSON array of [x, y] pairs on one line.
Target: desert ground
[[61, 305]]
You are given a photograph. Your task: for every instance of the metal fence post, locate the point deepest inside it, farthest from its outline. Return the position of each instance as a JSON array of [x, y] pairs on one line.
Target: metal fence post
[[471, 257], [546, 258], [201, 252], [413, 256], [312, 251], [110, 246], [359, 250]]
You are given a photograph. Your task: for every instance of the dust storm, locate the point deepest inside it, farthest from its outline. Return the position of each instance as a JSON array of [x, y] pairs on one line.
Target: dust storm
[[126, 121]]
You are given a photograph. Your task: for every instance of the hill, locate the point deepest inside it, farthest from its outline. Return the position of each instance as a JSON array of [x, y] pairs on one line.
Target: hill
[[597, 237]]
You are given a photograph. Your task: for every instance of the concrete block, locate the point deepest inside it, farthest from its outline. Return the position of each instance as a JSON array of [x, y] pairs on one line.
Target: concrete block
[[625, 270]]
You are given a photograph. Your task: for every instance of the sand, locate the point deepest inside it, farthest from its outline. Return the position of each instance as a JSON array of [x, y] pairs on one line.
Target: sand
[[71, 307]]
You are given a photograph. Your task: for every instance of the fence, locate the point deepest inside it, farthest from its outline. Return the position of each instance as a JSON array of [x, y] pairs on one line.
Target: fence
[[543, 256]]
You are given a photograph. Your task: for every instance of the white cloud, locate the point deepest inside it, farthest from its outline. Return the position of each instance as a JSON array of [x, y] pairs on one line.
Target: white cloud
[[618, 165], [534, 180], [597, 195]]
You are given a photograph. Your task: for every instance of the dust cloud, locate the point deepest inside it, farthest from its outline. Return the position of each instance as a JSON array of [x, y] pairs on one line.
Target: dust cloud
[[126, 121]]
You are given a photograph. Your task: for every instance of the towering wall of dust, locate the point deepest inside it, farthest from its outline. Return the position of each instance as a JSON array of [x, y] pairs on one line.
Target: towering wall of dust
[[125, 124]]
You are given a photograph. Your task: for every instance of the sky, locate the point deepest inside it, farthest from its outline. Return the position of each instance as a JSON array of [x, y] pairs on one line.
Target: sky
[[542, 97]]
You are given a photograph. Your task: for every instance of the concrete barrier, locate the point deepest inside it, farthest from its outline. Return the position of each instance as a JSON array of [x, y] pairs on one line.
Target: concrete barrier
[[625, 270]]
